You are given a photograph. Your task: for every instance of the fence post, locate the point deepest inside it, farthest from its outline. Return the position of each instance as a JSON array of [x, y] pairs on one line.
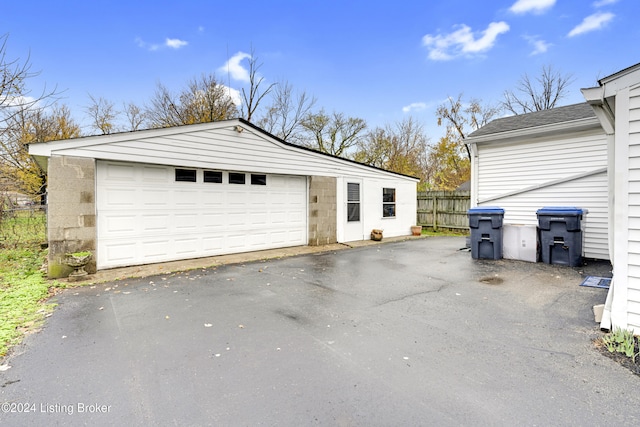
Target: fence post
[[435, 212]]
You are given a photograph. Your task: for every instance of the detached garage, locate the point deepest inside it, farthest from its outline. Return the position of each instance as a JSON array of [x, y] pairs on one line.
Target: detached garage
[[555, 157], [209, 189]]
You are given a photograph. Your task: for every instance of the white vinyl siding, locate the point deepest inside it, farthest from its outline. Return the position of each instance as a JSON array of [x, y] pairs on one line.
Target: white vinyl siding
[[525, 176], [633, 272], [191, 146]]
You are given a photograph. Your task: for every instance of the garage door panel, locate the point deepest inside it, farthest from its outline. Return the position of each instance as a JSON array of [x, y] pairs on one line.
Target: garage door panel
[[235, 241], [155, 198], [155, 174], [237, 198], [155, 223], [213, 198], [145, 216], [185, 222], [154, 248], [120, 252], [120, 224], [119, 171], [258, 240], [213, 245], [187, 246], [185, 198], [120, 197]]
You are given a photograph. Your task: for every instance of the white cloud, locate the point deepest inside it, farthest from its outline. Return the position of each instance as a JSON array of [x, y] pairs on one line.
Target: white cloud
[[592, 23], [144, 45], [601, 3], [175, 43], [414, 106], [234, 67], [535, 6], [170, 43], [234, 94], [539, 46], [462, 41]]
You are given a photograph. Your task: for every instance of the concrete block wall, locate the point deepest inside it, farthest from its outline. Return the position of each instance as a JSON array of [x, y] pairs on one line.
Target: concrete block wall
[[71, 220], [322, 211]]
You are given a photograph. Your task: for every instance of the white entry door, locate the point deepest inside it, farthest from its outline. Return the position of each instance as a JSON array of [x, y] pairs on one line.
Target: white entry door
[[151, 213], [353, 220]]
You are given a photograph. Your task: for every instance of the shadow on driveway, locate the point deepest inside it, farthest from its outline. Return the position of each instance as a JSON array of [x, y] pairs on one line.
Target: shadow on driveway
[[404, 333]]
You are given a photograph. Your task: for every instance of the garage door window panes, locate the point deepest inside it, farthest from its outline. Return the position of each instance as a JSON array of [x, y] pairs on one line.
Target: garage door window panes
[[236, 178], [257, 179], [213, 176], [388, 202], [186, 175], [353, 201]]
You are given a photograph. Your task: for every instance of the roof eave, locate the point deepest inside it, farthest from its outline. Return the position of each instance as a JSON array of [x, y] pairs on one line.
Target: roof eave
[[562, 128]]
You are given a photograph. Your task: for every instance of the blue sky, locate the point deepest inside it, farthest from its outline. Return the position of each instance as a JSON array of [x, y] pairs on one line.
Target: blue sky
[[378, 60]]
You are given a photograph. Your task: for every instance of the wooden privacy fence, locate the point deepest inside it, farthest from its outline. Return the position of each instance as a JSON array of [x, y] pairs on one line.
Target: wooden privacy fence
[[443, 209]]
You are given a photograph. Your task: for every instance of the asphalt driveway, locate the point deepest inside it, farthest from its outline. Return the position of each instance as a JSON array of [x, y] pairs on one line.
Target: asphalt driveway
[[406, 333]]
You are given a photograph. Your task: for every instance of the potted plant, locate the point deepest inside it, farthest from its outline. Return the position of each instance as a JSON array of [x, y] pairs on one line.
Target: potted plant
[[416, 230], [77, 260], [376, 234]]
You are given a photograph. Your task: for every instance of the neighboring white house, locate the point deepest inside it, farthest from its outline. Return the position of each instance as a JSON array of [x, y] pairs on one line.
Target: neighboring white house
[[616, 102], [554, 157], [208, 189]]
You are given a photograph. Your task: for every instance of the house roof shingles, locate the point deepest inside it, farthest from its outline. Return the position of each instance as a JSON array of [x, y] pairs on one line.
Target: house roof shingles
[[539, 118]]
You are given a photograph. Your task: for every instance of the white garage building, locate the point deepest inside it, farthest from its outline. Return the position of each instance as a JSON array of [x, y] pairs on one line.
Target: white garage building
[[209, 189]]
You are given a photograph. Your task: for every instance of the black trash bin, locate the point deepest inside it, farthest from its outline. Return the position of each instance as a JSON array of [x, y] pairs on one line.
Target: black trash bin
[[485, 223], [561, 235]]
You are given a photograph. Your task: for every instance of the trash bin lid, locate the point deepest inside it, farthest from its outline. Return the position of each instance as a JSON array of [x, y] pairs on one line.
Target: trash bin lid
[[560, 210], [486, 210]]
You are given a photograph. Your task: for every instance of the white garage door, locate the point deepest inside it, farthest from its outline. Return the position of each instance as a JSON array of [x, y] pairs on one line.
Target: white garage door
[[148, 213]]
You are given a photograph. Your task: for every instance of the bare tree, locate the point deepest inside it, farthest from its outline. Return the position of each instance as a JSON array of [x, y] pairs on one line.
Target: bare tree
[[26, 126], [204, 100], [19, 111], [283, 118], [135, 116], [334, 134], [460, 118], [253, 96], [542, 93], [15, 96], [103, 115], [399, 148]]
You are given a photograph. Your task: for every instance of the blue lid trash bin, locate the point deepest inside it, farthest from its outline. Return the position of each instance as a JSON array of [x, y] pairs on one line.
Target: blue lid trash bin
[[485, 223], [561, 235]]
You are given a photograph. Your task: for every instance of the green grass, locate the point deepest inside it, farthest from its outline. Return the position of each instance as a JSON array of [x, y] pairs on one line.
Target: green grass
[[428, 231], [23, 229], [23, 288]]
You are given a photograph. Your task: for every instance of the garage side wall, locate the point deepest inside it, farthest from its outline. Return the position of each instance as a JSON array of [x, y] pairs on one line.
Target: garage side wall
[[571, 170], [71, 211], [322, 210]]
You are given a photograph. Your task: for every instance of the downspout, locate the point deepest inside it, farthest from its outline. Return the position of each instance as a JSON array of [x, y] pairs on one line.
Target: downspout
[[473, 152]]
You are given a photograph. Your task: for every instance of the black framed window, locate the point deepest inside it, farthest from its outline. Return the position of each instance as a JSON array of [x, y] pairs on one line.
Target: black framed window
[[257, 179], [213, 176], [237, 178], [353, 201], [186, 175], [388, 202]]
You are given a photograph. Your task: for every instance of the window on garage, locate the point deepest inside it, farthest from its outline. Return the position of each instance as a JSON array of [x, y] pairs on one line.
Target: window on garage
[[258, 179], [353, 201], [388, 202], [185, 175], [236, 178], [213, 176]]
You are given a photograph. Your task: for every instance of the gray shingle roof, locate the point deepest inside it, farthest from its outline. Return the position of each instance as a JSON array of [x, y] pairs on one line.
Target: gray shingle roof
[[539, 118]]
